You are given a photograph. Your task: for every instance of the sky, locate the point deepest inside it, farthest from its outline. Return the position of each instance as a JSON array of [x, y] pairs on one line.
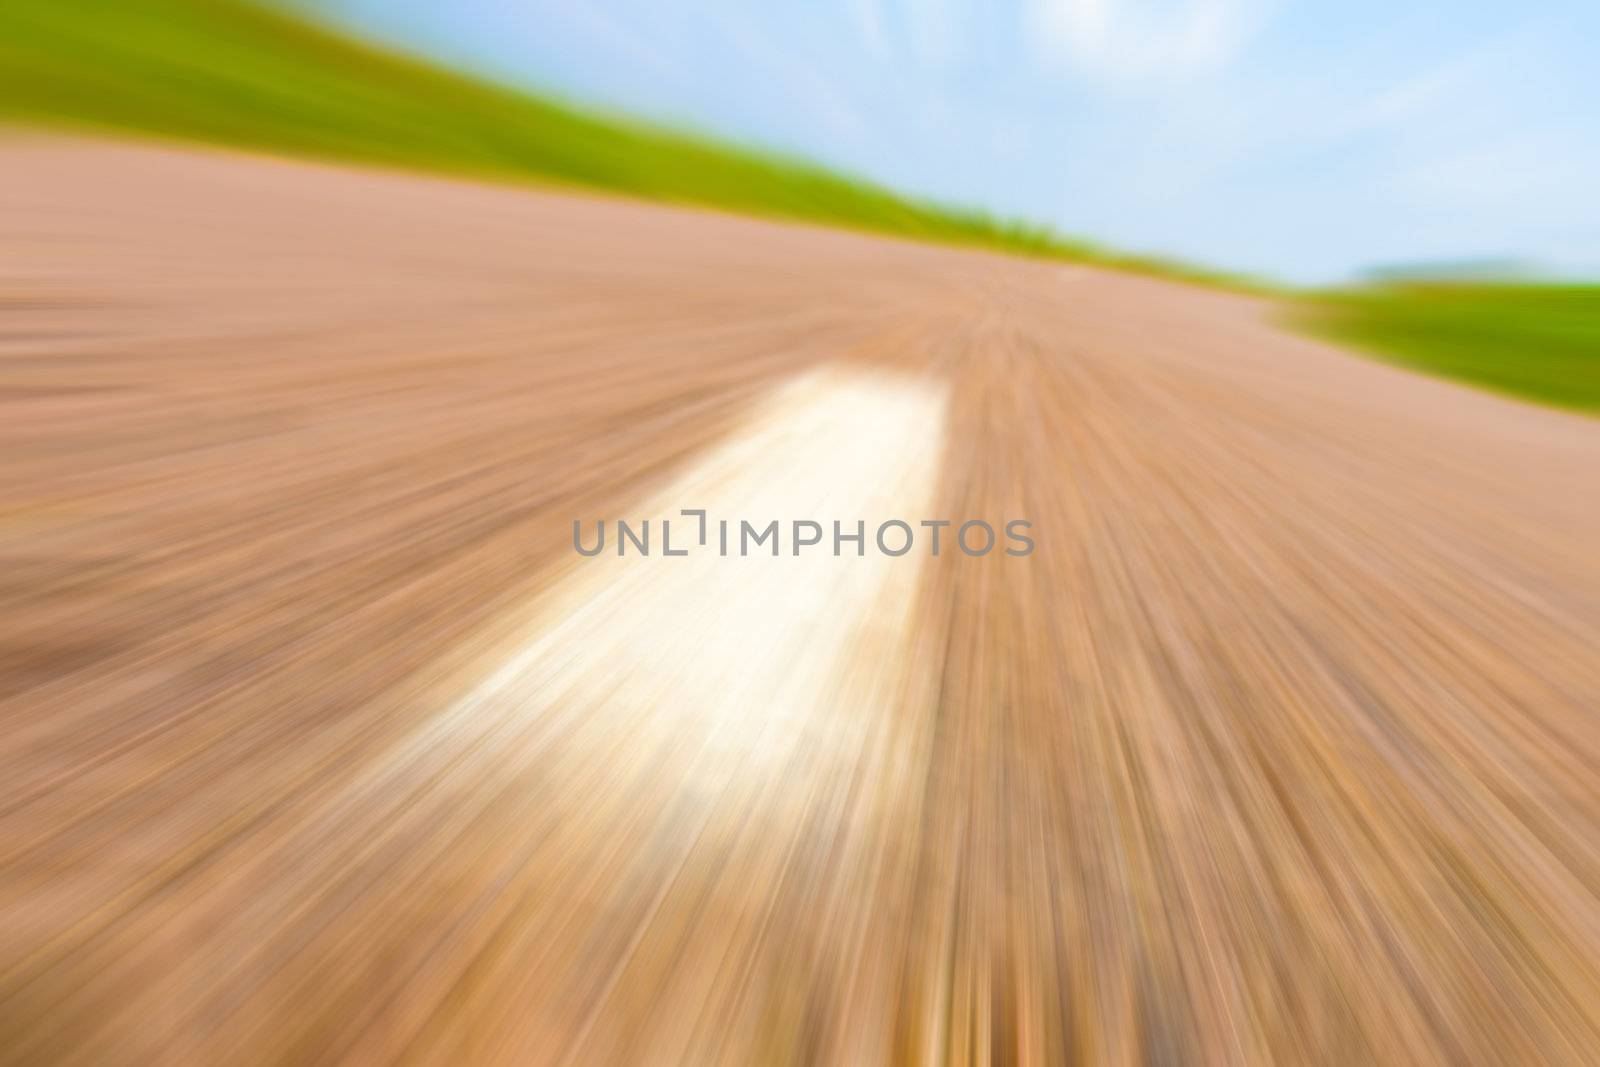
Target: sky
[[1304, 140]]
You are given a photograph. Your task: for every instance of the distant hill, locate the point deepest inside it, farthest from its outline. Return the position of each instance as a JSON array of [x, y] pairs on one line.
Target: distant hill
[[1484, 269]]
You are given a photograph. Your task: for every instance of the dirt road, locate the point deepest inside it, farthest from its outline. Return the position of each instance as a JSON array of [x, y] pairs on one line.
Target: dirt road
[[319, 743]]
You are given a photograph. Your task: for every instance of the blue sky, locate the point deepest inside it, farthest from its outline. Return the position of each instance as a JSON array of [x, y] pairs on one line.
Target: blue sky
[[1303, 140]]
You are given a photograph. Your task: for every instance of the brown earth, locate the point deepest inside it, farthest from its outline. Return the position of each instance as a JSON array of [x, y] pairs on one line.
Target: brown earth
[[1281, 748]]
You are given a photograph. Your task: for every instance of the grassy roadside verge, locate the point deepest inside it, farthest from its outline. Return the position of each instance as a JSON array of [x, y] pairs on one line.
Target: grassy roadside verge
[[247, 74], [1536, 341]]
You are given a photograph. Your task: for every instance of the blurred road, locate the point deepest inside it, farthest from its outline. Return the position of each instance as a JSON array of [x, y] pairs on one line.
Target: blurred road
[[318, 742]]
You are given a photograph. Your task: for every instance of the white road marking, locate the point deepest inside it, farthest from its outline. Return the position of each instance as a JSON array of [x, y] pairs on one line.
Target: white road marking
[[714, 667]]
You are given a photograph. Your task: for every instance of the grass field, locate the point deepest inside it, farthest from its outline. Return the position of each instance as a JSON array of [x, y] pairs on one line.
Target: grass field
[[244, 74], [1536, 341]]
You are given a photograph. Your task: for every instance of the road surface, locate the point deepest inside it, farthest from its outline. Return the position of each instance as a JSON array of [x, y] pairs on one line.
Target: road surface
[[320, 743]]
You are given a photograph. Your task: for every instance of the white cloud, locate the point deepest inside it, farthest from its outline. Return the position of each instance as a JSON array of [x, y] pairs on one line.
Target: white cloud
[[1129, 42]]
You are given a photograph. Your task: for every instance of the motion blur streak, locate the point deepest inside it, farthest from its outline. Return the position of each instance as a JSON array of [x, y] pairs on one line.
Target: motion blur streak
[[678, 732], [319, 743]]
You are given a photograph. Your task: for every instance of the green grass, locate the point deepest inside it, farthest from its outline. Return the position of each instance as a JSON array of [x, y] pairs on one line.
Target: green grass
[[1537, 341], [238, 73]]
